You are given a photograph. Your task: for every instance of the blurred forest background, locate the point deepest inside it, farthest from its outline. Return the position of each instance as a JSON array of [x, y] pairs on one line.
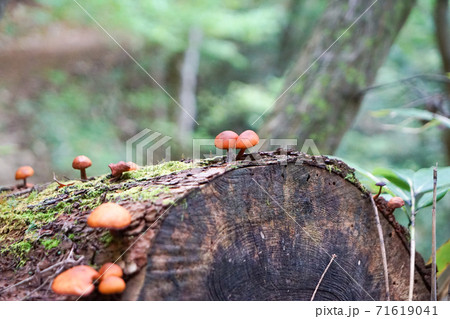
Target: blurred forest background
[[67, 88]]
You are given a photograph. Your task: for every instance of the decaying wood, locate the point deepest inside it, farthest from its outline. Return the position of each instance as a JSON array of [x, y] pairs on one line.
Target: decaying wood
[[260, 229]]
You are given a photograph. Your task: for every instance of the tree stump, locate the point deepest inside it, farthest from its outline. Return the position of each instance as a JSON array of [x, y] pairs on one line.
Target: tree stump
[[259, 230]]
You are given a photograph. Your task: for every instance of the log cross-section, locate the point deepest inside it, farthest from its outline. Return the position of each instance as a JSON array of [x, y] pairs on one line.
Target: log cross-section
[[267, 233], [264, 228]]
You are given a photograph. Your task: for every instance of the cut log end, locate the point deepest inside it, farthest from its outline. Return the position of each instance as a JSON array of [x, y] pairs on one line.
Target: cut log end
[[268, 233], [262, 229]]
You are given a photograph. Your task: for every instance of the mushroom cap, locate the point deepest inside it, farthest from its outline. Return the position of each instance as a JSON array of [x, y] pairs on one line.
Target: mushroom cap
[[226, 140], [81, 162], [75, 281], [109, 215], [381, 184], [24, 172], [133, 166], [395, 202], [247, 139], [110, 269], [119, 168], [111, 285]]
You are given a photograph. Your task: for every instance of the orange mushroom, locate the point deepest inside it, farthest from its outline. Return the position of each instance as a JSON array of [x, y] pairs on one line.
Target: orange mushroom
[[75, 281], [226, 141], [246, 140], [121, 167], [112, 285], [109, 215], [133, 166], [82, 162], [395, 202], [24, 172], [110, 269]]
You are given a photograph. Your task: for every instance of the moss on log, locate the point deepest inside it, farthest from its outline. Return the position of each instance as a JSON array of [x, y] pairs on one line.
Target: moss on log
[[260, 229]]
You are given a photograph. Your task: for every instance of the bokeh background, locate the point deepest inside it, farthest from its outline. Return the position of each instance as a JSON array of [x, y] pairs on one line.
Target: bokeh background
[[67, 88]]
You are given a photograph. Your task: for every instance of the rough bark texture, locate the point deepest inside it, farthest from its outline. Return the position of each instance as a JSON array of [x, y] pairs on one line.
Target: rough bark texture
[[256, 230], [329, 92]]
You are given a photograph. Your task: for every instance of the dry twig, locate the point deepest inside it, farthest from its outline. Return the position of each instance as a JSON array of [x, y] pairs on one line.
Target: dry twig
[[323, 275], [433, 238], [412, 250], [383, 248], [62, 264]]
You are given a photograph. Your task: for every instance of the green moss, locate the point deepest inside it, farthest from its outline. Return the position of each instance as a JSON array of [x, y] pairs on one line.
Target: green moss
[[71, 237], [107, 238], [20, 250], [50, 243], [138, 193], [168, 202], [21, 217], [333, 169], [152, 171], [351, 178]]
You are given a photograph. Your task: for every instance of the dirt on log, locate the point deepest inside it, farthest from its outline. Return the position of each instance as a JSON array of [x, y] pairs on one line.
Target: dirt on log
[[260, 229]]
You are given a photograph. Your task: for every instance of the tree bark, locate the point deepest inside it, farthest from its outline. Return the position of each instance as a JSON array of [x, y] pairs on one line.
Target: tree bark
[[329, 78], [188, 90], [254, 230]]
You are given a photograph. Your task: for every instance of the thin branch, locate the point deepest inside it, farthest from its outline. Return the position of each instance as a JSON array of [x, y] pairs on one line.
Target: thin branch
[[323, 275], [412, 250], [383, 249], [40, 286], [63, 263], [429, 77], [433, 238]]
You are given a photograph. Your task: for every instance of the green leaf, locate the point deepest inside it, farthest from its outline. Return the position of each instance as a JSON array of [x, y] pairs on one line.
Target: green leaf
[[423, 179], [427, 198], [443, 256], [397, 191], [401, 178]]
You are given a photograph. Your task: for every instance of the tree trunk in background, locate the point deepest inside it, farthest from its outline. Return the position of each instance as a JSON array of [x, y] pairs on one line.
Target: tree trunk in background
[[325, 100], [288, 45], [443, 41], [2, 7], [189, 71]]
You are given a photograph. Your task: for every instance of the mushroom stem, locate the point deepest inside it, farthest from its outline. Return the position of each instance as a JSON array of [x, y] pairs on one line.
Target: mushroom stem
[[25, 182], [83, 174], [379, 193], [240, 155]]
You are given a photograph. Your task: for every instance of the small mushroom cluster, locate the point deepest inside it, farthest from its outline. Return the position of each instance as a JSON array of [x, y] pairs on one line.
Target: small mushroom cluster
[[80, 280], [80, 163], [393, 203], [111, 281], [229, 140]]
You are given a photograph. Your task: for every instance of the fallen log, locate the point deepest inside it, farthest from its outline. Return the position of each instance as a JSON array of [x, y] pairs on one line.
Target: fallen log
[[260, 229]]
